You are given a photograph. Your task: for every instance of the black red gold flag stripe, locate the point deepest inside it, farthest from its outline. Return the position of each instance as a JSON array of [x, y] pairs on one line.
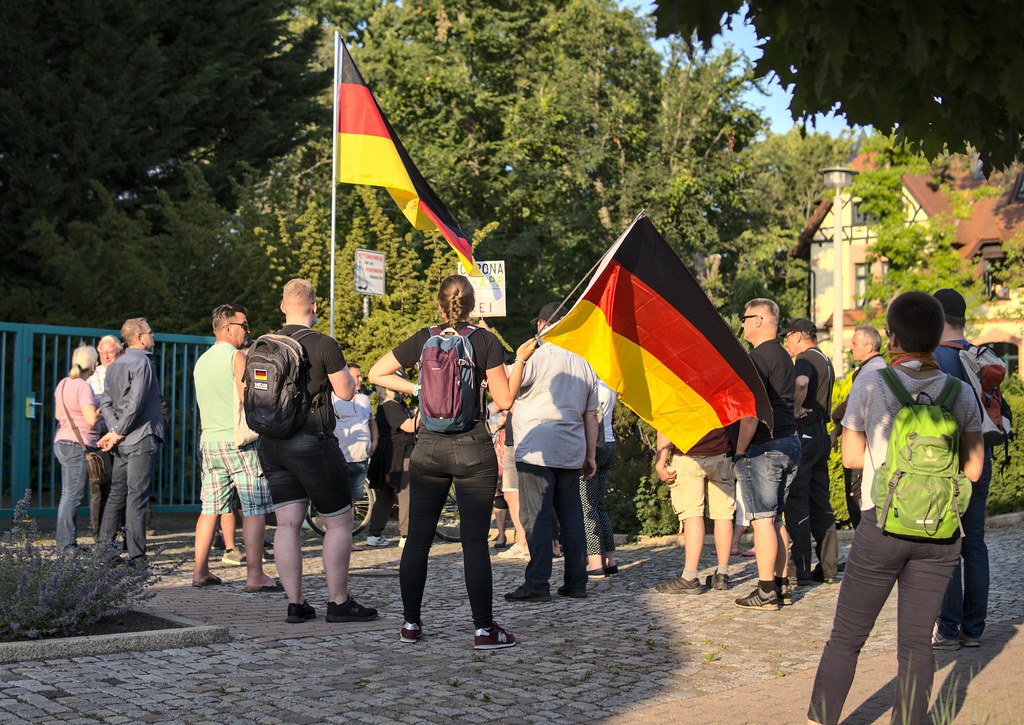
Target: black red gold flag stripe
[[370, 153], [651, 333]]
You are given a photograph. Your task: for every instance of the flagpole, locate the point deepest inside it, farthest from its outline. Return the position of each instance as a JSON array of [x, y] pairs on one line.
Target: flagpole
[[643, 213], [334, 165]]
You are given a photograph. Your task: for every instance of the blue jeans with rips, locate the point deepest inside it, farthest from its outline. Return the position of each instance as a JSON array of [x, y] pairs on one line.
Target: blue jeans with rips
[[541, 491], [764, 475], [966, 603]]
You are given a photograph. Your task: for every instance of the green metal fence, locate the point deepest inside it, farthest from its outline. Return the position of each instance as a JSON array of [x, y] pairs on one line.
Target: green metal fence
[[33, 359]]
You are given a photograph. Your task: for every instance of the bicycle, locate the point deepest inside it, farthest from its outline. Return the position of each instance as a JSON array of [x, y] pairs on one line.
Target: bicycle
[[447, 525]]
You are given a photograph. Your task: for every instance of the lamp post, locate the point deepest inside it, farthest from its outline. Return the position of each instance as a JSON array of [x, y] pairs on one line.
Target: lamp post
[[838, 178]]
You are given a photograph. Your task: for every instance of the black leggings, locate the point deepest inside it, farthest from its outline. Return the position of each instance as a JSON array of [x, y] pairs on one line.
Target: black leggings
[[438, 461]]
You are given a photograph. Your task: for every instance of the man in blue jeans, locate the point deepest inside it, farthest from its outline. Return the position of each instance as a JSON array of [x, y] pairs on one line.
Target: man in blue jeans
[[555, 429], [766, 460], [130, 406], [962, 617]]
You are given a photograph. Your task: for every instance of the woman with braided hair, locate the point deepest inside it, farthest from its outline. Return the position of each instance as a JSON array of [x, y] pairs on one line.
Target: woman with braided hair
[[464, 459]]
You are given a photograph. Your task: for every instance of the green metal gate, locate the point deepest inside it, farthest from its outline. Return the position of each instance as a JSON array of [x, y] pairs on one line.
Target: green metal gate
[[33, 359]]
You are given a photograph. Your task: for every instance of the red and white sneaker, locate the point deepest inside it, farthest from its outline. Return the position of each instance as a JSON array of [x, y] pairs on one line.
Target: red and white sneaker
[[494, 637], [411, 633]]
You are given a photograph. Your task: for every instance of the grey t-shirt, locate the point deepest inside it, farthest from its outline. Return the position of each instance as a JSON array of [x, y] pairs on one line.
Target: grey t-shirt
[[558, 388], [872, 407]]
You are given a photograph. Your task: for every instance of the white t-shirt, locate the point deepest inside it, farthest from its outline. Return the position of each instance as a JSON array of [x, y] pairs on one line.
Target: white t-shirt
[[606, 398], [872, 408], [353, 426], [558, 388]]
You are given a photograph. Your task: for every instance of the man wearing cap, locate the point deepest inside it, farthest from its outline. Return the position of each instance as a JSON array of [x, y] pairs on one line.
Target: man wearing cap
[[555, 428], [808, 510], [962, 617]]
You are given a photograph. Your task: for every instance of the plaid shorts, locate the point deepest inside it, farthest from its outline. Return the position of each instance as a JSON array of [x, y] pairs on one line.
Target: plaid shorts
[[226, 467]]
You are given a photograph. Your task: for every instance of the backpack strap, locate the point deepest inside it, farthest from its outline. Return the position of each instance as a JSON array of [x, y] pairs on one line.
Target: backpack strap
[[954, 345], [893, 381], [947, 398]]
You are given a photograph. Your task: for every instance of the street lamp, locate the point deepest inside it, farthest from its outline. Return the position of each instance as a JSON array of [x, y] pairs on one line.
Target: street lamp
[[838, 178]]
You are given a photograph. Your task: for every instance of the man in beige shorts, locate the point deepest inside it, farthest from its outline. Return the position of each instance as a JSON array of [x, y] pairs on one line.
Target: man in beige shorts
[[702, 473]]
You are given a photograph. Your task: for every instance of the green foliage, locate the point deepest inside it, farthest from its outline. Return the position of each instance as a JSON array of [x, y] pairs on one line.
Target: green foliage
[[919, 255], [104, 110], [837, 485], [1007, 490], [943, 76], [637, 501], [44, 593]]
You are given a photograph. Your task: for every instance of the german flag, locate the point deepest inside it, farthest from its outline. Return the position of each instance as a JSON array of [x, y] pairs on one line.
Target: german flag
[[370, 153], [650, 332]]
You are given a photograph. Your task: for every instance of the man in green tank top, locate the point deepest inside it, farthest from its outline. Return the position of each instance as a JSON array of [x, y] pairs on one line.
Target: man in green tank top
[[226, 466]]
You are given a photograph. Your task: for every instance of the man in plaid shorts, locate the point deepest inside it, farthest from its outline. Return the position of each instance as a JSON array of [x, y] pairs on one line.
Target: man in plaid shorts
[[226, 467]]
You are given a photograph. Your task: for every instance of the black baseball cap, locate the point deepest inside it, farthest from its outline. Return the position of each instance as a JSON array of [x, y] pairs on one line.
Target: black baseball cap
[[551, 313], [801, 324]]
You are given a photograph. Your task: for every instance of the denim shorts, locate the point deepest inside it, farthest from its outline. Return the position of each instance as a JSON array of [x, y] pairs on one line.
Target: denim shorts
[[306, 468], [764, 475]]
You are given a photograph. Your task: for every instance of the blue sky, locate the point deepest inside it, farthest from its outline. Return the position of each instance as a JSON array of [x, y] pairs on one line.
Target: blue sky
[[775, 101]]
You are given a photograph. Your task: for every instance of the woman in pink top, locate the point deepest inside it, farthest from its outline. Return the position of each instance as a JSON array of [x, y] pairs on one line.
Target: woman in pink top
[[75, 397]]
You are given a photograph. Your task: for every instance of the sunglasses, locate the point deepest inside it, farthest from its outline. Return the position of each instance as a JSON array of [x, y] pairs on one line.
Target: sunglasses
[[750, 317], [243, 325]]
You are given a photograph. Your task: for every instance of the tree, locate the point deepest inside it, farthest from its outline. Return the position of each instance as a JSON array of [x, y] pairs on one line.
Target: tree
[[918, 255], [105, 105], [942, 73]]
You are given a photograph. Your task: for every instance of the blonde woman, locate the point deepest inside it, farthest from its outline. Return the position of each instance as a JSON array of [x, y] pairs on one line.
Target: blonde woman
[[76, 408]]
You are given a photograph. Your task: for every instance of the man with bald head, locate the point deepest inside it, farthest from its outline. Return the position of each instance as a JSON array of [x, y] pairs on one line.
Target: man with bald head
[[308, 466]]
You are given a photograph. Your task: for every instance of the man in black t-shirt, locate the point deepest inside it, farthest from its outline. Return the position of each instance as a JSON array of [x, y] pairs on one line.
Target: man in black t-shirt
[[766, 460], [309, 467], [808, 510]]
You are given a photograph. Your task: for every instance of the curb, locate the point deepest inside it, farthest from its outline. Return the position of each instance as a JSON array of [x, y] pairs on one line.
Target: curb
[[188, 633]]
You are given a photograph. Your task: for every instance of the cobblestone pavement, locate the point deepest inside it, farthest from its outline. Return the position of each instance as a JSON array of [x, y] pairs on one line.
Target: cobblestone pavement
[[625, 653]]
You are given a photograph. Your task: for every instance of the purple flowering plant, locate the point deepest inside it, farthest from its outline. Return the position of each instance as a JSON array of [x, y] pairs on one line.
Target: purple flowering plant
[[46, 593]]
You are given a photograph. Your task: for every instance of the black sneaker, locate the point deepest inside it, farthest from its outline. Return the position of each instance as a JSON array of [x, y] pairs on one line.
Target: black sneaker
[[522, 594], [759, 600], [717, 581], [298, 613], [564, 591], [350, 611], [678, 585]]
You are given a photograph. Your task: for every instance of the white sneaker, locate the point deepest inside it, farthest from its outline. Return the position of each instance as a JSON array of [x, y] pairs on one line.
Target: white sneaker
[[401, 542], [377, 541], [515, 552]]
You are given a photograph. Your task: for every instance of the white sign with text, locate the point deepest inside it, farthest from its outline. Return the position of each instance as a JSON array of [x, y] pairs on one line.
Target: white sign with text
[[489, 289], [369, 272]]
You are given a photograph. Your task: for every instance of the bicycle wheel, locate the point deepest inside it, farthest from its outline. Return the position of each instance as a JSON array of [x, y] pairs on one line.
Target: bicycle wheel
[[361, 509], [448, 524], [360, 513]]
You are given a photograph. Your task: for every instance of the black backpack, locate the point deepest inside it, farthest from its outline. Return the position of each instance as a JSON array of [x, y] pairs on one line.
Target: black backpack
[[277, 400]]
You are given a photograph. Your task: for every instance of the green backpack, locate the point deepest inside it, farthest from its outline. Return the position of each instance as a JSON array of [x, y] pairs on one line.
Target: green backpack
[[921, 486]]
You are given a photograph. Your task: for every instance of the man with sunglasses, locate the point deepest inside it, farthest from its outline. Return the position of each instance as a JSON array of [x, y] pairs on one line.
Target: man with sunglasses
[[766, 460], [228, 467], [131, 408]]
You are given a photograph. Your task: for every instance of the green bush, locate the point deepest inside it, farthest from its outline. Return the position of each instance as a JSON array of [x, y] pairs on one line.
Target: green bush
[[638, 503], [44, 593], [1007, 490]]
